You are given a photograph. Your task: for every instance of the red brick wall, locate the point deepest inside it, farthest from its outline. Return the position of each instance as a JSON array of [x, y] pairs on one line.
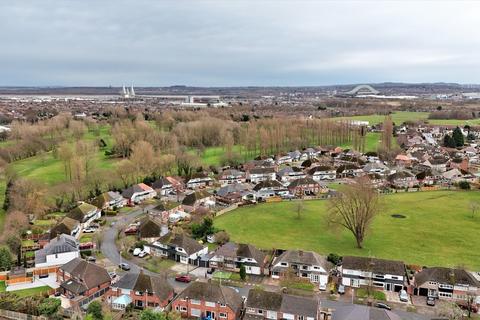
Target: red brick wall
[[217, 309]]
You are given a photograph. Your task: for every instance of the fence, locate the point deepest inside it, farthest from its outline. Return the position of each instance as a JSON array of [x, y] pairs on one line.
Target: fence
[[227, 209], [19, 316]]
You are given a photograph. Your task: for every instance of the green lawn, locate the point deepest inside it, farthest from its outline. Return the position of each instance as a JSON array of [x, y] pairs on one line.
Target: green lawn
[[213, 155], [402, 116], [438, 229], [3, 286], [31, 292], [372, 142]]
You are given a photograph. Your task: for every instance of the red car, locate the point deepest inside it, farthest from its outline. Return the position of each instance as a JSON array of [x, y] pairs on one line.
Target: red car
[[183, 278]]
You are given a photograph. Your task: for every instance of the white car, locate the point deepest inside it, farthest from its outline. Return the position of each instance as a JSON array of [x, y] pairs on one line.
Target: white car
[[142, 254], [89, 230], [137, 251], [403, 296], [322, 287]]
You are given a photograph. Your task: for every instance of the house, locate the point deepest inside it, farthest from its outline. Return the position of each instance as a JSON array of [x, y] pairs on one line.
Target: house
[[269, 185], [453, 175], [82, 281], [235, 193], [288, 174], [164, 209], [306, 187], [305, 264], [446, 283], [208, 300], [402, 160], [66, 226], [231, 256], [231, 176], [178, 247], [257, 175], [85, 213], [320, 173], [272, 305], [199, 181], [109, 201], [162, 186], [387, 275], [60, 250], [376, 168], [197, 199], [402, 179], [358, 312], [149, 230], [142, 291], [350, 170], [138, 193]]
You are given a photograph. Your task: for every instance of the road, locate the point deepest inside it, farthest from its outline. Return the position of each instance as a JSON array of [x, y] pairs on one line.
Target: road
[[110, 251]]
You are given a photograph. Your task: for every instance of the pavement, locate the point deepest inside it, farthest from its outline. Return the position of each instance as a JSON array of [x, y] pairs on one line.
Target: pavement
[[51, 281]]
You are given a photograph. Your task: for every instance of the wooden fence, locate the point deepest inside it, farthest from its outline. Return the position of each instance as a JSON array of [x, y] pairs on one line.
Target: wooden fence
[[19, 316]]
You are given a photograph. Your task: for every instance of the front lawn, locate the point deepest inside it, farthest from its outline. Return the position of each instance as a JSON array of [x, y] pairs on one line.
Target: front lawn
[[86, 238], [377, 295], [158, 265], [31, 292], [438, 229]]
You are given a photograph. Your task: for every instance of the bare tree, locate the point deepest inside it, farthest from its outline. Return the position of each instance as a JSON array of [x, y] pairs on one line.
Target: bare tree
[[299, 208], [355, 207]]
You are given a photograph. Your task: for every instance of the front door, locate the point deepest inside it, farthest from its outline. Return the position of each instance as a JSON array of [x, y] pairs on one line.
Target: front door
[[211, 315]]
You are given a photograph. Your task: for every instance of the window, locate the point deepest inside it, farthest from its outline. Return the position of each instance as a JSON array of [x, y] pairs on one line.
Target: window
[[210, 304], [195, 312], [183, 309], [260, 311], [305, 267], [223, 305], [223, 315], [193, 301], [284, 264]]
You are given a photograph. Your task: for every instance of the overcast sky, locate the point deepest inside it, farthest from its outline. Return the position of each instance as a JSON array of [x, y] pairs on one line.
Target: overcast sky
[[237, 43]]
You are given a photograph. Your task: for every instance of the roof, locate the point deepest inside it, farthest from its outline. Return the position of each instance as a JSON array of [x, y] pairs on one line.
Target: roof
[[232, 188], [192, 197], [146, 283], [400, 175], [80, 211], [105, 197], [211, 291], [123, 300], [265, 300], [362, 89], [358, 312], [262, 170], [375, 265], [303, 257], [90, 274], [60, 244], [446, 275], [302, 182], [160, 183], [190, 245], [136, 188], [285, 303], [66, 226], [232, 250], [149, 228], [268, 184], [166, 206]]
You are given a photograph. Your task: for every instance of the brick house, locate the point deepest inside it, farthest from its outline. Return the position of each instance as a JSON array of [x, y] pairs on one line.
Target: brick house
[[208, 299], [143, 291]]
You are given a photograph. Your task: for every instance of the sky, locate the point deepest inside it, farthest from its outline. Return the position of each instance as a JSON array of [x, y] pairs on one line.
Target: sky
[[237, 43]]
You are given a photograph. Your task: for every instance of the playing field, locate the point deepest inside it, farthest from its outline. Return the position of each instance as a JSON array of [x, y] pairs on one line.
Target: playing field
[[438, 229], [402, 116]]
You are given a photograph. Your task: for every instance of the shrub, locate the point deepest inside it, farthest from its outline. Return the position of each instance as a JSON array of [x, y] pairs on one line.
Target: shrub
[[49, 306], [334, 258], [111, 213], [464, 185]]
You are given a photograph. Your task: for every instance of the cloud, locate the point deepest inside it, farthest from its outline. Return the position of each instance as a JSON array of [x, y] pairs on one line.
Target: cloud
[[228, 43]]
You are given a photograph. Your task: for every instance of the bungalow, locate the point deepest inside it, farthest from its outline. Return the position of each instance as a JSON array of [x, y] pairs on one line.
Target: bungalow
[[446, 283], [356, 312], [60, 250], [164, 209], [306, 186], [269, 185], [272, 305], [137, 193], [376, 168], [142, 291], [305, 264], [257, 175], [349, 170], [388, 275], [149, 230], [231, 256], [85, 213], [235, 193], [66, 226], [199, 181], [178, 247], [321, 172], [453, 175], [295, 155], [231, 176], [289, 174], [162, 186], [282, 159], [208, 300], [200, 198], [109, 200], [82, 281]]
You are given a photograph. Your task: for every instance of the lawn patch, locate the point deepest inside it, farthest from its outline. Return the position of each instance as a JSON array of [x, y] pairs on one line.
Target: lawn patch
[[158, 265]]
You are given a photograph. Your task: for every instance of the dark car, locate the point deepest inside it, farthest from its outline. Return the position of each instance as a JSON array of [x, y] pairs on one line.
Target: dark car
[[382, 306], [124, 266], [430, 301], [183, 278]]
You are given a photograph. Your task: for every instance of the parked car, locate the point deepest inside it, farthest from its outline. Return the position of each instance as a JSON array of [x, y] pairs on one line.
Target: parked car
[[430, 301], [341, 289], [183, 278], [124, 266], [403, 296], [136, 251], [382, 306], [91, 259], [112, 275], [89, 230], [322, 287], [142, 254]]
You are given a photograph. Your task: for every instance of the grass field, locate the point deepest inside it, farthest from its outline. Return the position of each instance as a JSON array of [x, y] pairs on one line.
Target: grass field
[[402, 116], [438, 229]]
